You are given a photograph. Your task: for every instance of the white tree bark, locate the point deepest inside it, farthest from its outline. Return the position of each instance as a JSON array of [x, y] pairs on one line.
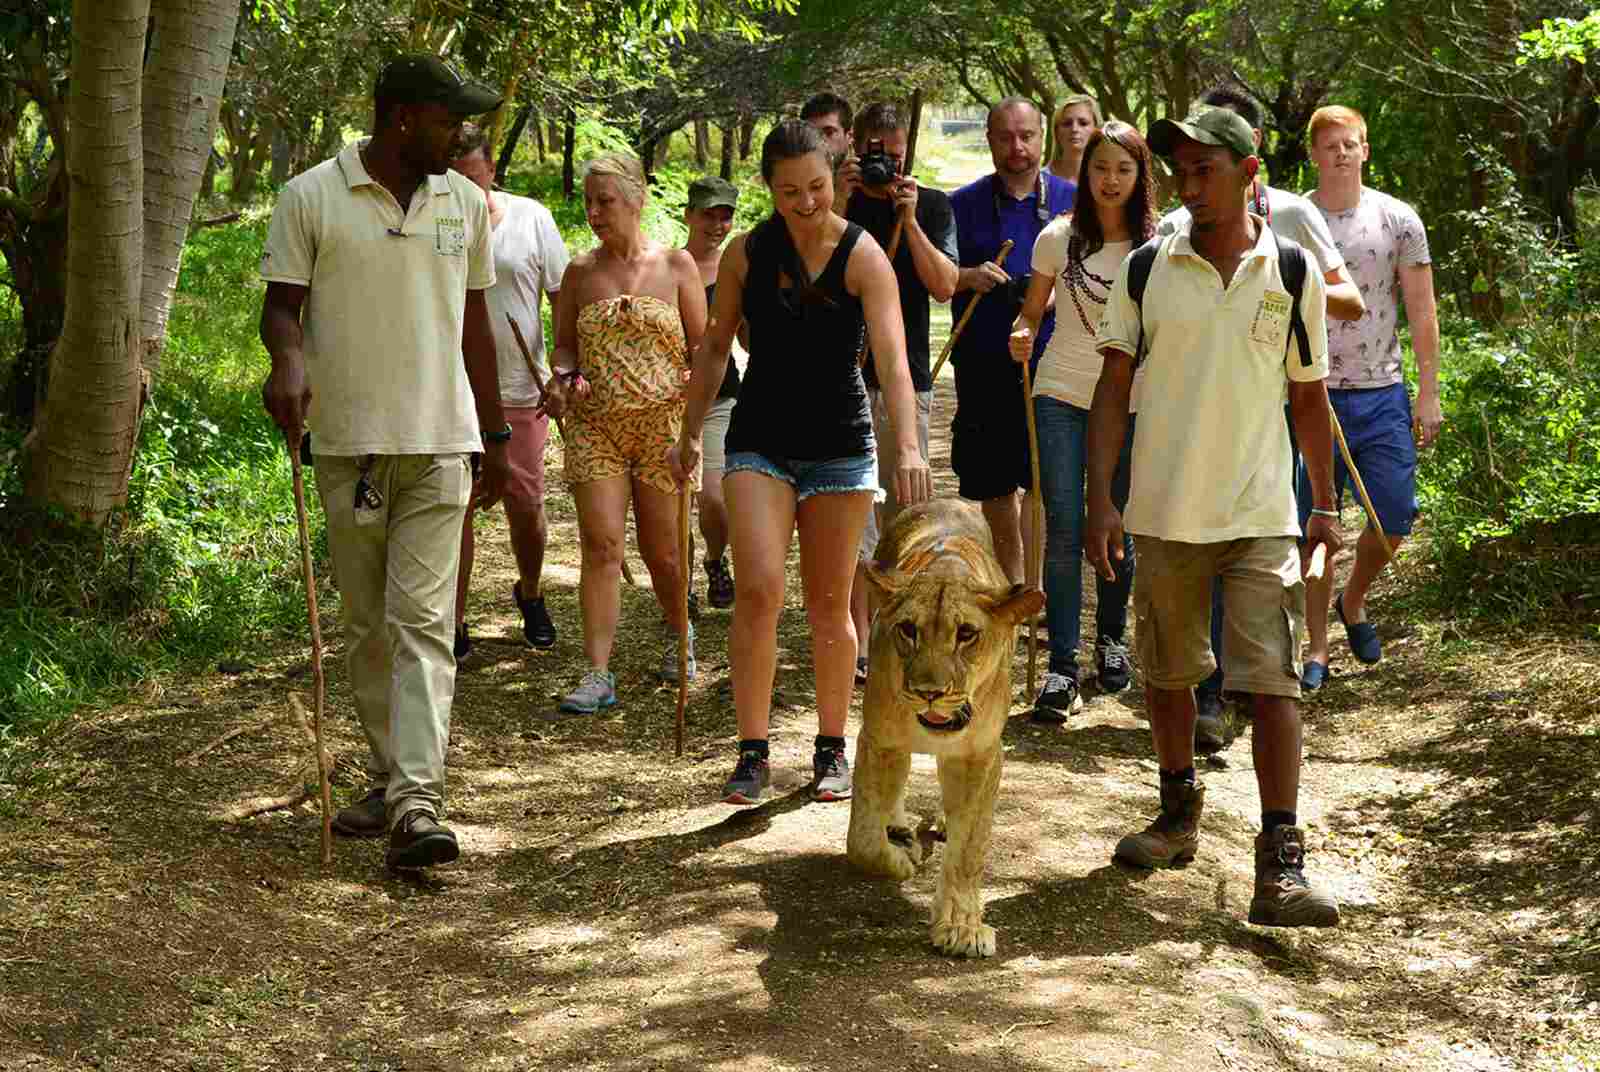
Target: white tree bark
[[84, 438], [184, 74]]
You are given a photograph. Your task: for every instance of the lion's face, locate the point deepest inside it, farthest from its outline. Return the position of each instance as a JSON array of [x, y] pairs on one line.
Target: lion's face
[[941, 637]]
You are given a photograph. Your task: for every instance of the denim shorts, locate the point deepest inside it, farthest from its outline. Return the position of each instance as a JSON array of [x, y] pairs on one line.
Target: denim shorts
[[1377, 426], [826, 476]]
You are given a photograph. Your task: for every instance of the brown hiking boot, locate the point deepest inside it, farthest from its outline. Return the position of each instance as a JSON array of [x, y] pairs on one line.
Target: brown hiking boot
[[1175, 835], [1283, 896], [367, 817]]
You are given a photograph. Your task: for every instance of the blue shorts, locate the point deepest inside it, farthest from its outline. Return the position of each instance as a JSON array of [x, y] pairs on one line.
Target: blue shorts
[[826, 476], [1377, 426]]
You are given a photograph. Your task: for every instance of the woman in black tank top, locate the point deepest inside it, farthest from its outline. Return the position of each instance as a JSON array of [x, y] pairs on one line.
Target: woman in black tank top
[[800, 447]]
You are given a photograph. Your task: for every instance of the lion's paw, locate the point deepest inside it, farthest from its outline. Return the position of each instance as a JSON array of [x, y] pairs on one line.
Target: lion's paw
[[885, 858], [964, 940]]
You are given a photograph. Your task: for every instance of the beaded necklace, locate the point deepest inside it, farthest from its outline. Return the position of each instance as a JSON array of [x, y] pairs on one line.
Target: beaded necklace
[[1077, 275]]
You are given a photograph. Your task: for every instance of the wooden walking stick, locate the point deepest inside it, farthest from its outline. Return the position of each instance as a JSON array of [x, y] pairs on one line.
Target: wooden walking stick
[[683, 605], [894, 247], [1361, 487], [326, 794], [538, 381], [944, 355], [1035, 560]]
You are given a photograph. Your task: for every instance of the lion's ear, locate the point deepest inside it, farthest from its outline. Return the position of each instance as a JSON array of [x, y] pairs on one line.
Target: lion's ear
[[1015, 604], [888, 582]]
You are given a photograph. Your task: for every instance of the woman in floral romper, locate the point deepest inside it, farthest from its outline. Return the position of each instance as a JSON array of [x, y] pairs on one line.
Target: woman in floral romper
[[627, 317]]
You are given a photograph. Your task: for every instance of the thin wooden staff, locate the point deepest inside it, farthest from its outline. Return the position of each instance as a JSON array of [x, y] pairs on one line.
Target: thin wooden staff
[[1036, 559], [960, 325], [326, 793], [683, 607], [538, 381], [1318, 563], [894, 247], [1361, 487]]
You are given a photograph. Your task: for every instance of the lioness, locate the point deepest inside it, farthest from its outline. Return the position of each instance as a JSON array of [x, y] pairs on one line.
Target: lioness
[[939, 682]]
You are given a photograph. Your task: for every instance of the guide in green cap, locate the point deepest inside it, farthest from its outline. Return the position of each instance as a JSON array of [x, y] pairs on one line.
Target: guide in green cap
[[712, 192], [1211, 126]]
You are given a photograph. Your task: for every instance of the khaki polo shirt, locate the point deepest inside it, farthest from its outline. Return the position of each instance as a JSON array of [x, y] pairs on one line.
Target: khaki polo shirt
[[383, 316], [1211, 458]]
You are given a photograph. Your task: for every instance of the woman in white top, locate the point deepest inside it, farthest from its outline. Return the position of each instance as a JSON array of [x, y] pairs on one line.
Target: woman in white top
[[1079, 256]]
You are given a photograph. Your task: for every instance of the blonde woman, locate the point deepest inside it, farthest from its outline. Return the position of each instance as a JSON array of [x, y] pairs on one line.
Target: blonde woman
[[628, 315], [1076, 118]]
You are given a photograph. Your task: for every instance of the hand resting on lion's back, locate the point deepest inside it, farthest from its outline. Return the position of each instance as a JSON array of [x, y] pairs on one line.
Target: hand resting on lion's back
[[938, 682]]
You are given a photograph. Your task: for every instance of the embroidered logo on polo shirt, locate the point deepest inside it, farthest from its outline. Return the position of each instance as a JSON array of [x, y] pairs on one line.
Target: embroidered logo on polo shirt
[[450, 236], [1272, 319]]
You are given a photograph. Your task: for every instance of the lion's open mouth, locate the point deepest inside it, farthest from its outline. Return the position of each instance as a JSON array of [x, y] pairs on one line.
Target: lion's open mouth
[[953, 722]]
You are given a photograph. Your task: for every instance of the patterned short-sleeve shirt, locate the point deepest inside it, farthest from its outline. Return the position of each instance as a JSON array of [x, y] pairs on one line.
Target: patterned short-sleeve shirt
[[1377, 238]]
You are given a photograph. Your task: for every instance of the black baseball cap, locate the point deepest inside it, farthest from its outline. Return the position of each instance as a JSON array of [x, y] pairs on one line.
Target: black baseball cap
[[712, 192], [1208, 126], [420, 78]]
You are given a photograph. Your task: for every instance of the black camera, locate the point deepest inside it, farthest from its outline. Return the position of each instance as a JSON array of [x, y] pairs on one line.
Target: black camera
[[1016, 291], [878, 168]]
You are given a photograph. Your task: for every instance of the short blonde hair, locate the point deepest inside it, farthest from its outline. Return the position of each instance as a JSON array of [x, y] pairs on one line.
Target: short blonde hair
[[625, 168], [1336, 115], [1074, 101]]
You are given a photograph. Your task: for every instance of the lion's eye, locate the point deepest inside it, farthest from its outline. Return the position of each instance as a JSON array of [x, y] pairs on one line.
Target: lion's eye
[[966, 634], [908, 630]]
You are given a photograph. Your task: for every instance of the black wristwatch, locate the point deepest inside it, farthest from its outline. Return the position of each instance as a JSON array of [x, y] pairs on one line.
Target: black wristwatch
[[502, 436]]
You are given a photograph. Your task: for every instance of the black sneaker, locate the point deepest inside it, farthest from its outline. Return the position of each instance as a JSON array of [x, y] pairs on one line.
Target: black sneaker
[[750, 779], [463, 645], [719, 583], [537, 628], [1111, 664], [1058, 697], [419, 841], [861, 672]]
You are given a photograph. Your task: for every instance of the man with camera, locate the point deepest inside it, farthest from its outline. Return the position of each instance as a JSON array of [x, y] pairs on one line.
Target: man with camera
[[924, 267], [989, 437]]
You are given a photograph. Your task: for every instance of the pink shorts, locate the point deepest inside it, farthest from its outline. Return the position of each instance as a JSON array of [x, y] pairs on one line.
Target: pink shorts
[[530, 430]]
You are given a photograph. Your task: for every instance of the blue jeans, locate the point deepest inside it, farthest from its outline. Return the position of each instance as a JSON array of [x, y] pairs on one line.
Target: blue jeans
[[1063, 440]]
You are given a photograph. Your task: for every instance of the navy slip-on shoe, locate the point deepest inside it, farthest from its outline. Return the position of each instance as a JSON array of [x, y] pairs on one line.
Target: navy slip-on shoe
[[1363, 636], [1314, 674]]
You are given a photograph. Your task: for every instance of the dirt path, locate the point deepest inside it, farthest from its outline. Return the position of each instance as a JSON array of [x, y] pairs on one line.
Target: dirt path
[[607, 915]]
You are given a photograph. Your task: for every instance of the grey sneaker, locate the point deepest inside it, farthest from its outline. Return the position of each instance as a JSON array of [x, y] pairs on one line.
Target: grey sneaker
[[669, 657], [597, 689], [832, 771], [367, 817], [750, 779], [1210, 729], [1283, 897]]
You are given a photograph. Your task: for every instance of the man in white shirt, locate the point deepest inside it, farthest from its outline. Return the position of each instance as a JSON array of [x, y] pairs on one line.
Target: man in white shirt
[[1211, 494], [376, 265], [1386, 246], [529, 259], [1296, 218]]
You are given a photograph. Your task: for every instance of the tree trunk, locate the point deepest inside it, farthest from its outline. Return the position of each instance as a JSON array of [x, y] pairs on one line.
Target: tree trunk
[[662, 152], [556, 132], [538, 138], [509, 148], [702, 144], [747, 133], [208, 177], [915, 125], [185, 69], [729, 134], [569, 144], [81, 448]]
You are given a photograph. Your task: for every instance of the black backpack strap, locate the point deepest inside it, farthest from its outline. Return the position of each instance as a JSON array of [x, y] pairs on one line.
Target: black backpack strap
[[1140, 263], [1292, 268]]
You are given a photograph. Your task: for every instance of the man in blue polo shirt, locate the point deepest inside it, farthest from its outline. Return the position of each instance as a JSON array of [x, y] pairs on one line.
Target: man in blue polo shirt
[[989, 437]]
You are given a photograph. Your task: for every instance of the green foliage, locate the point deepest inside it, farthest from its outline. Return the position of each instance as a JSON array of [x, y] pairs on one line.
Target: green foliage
[[204, 562], [1511, 490], [1561, 39]]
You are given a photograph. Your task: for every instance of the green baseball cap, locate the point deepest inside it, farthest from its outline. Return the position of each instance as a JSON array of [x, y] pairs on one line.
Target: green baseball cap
[[712, 192], [421, 78], [1208, 126]]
